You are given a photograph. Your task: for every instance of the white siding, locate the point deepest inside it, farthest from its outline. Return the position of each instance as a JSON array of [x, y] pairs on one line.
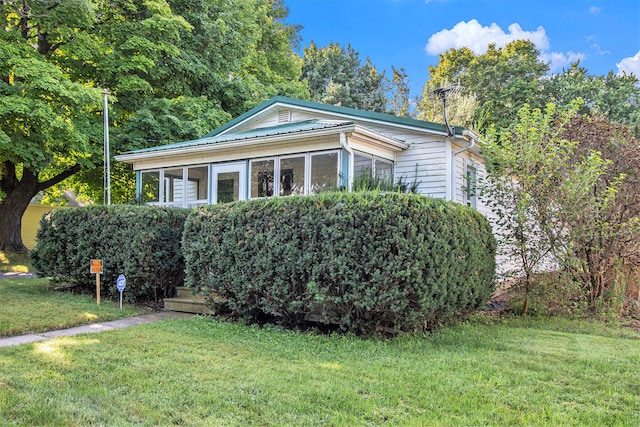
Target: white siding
[[274, 119], [424, 162]]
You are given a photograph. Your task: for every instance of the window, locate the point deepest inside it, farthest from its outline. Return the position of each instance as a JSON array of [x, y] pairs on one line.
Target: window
[[470, 185], [229, 182], [150, 187], [292, 175], [363, 165], [197, 186], [324, 172], [366, 166], [262, 173], [174, 188], [227, 187], [383, 170]]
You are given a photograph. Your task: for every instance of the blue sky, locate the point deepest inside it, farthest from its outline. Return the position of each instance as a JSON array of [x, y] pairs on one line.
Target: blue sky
[[603, 34]]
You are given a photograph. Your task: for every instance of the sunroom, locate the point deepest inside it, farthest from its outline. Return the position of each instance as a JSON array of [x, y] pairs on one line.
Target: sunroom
[[306, 157]]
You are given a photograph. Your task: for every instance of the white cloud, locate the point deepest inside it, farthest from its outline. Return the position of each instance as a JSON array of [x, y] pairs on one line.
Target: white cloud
[[598, 49], [559, 60], [594, 10], [477, 38], [630, 65]]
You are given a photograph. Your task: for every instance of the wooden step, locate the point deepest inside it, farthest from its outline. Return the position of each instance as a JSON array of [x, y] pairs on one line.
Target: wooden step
[[185, 301]]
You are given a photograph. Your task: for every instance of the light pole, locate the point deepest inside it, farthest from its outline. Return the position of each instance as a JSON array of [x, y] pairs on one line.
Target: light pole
[[107, 170]]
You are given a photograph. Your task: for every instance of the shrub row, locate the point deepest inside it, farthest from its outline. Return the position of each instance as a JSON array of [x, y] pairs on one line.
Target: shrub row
[[367, 262], [141, 242]]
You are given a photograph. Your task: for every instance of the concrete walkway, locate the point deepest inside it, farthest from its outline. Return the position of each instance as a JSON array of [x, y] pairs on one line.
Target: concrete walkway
[[95, 327], [16, 275]]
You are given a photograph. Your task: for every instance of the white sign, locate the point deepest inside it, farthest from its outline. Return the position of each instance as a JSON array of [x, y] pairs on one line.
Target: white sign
[[121, 282]]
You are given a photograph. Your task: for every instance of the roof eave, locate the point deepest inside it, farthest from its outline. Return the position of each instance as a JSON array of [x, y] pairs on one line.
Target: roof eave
[[237, 143]]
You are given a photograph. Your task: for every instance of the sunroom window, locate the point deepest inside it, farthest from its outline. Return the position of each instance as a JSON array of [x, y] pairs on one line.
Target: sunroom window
[[292, 175], [262, 173], [383, 170], [174, 188], [362, 165], [324, 172], [371, 166], [150, 187], [197, 186]]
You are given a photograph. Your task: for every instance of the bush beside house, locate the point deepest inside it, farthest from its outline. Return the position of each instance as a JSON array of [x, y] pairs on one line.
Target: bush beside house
[[368, 262], [141, 242]]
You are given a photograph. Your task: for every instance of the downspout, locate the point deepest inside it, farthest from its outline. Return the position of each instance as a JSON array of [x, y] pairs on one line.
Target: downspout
[[350, 168], [472, 143]]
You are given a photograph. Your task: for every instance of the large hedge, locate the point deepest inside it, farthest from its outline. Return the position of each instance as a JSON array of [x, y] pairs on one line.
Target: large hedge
[[141, 242], [367, 262]]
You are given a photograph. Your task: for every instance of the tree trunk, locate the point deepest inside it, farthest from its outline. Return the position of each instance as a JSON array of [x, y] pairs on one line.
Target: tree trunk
[[12, 208], [18, 194]]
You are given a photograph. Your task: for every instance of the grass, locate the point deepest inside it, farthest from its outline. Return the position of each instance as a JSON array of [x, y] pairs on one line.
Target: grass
[[30, 305], [14, 262], [204, 372]]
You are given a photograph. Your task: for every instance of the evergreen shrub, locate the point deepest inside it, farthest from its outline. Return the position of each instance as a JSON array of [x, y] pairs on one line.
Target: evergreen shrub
[[368, 262], [141, 242]]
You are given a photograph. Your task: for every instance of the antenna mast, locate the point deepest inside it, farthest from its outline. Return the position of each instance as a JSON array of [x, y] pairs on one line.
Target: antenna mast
[[442, 92]]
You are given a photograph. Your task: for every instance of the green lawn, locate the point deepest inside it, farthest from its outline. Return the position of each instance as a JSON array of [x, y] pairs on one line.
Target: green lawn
[[30, 305], [14, 262], [203, 372]]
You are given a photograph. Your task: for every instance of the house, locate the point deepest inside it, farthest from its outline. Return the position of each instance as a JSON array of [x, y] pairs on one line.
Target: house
[[288, 146], [35, 211]]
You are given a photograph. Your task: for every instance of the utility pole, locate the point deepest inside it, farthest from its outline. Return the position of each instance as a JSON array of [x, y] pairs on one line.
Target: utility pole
[[107, 170]]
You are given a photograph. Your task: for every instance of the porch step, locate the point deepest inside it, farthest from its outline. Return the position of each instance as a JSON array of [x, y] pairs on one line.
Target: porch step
[[185, 301]]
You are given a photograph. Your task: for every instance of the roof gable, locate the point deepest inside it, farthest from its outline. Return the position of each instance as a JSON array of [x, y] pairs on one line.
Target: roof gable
[[343, 112]]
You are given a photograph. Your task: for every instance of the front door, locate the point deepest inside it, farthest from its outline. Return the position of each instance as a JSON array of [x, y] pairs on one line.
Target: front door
[[229, 182]]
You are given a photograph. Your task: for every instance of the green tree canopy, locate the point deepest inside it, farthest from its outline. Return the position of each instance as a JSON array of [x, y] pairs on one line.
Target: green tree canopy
[[47, 120], [617, 97], [336, 76], [502, 80], [175, 70]]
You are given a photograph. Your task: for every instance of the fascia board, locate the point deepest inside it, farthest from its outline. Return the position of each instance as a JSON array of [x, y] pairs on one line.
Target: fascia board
[[237, 144]]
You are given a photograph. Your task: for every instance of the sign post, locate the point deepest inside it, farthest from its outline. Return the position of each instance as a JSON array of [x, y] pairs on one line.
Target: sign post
[[96, 268], [121, 283]]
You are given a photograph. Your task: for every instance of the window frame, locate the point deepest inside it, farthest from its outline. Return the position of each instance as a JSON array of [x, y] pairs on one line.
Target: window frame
[[263, 159], [470, 188], [323, 153]]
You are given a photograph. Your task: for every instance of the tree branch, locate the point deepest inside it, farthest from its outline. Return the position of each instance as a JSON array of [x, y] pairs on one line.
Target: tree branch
[[59, 178]]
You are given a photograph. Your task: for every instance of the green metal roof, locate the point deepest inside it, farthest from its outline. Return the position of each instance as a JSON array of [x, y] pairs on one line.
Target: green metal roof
[[362, 114], [214, 136]]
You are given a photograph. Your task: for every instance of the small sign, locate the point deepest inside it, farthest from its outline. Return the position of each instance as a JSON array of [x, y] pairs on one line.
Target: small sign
[[96, 266], [121, 282]]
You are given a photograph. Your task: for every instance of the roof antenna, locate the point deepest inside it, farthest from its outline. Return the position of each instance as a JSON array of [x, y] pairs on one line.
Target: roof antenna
[[442, 93]]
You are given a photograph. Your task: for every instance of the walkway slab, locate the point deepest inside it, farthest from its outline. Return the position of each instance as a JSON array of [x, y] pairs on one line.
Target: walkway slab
[[94, 327]]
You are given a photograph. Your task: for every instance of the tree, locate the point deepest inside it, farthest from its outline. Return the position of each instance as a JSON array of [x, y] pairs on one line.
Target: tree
[[175, 71], [606, 238], [335, 75], [400, 100], [617, 97], [555, 187], [461, 106], [502, 80], [47, 120]]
